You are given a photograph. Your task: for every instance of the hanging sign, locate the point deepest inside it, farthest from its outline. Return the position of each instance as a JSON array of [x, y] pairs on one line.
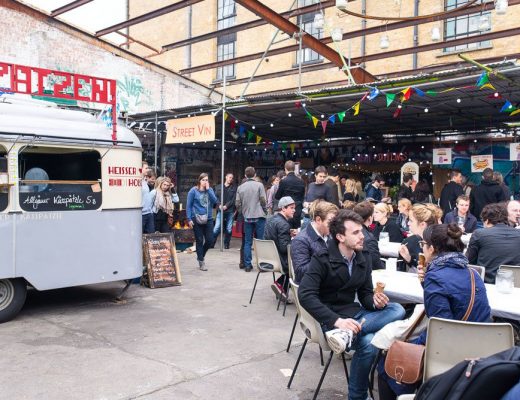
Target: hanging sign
[[480, 163], [514, 151], [190, 130], [442, 156], [410, 168]]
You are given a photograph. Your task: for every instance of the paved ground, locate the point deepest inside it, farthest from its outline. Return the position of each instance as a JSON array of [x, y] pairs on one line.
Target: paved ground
[[202, 340]]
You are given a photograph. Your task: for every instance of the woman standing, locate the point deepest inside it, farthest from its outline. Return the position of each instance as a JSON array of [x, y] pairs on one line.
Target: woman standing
[[461, 215], [199, 210], [162, 204], [404, 206], [382, 211], [350, 191], [422, 192], [359, 190]]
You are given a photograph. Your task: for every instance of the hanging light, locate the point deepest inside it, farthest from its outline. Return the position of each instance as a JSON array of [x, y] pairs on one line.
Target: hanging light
[[319, 21], [436, 34], [384, 42], [341, 4], [337, 34], [501, 7], [483, 23]]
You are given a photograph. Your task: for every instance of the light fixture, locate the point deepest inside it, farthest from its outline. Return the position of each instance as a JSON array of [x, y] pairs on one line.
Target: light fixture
[[459, 100], [254, 127], [341, 4], [336, 34], [384, 42], [436, 34], [501, 7], [319, 21], [322, 116], [483, 23], [289, 115], [272, 125], [426, 110]]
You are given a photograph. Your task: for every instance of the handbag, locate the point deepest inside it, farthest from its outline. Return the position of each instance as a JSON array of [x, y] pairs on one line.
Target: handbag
[[202, 219], [405, 361]]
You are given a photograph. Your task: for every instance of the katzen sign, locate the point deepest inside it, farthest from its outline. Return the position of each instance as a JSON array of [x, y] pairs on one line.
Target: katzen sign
[[190, 130], [60, 84]]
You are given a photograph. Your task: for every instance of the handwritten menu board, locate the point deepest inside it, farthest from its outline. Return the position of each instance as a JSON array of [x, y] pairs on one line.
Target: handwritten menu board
[[59, 201], [160, 258]]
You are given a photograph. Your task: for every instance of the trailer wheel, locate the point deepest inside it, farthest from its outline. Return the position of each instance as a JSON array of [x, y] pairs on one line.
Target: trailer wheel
[[12, 297]]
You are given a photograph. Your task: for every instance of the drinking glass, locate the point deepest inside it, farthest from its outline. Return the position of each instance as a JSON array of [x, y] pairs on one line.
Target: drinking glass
[[391, 264], [504, 281], [384, 237]]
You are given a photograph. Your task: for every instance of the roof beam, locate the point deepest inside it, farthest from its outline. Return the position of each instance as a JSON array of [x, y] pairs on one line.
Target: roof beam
[[358, 74], [69, 7], [349, 35], [148, 16]]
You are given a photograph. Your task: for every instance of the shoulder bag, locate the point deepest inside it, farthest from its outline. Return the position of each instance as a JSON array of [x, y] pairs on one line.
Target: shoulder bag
[[202, 219], [405, 361]]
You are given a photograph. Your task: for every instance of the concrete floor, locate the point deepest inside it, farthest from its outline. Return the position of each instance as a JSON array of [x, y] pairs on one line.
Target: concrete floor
[[202, 340]]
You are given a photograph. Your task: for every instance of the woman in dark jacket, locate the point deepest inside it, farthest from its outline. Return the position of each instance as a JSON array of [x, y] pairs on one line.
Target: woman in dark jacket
[[461, 215], [447, 291], [422, 193], [382, 212]]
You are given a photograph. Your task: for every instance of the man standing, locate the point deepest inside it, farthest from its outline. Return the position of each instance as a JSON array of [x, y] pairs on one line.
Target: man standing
[[227, 210], [373, 190], [251, 202], [495, 245], [147, 201], [332, 182], [317, 190], [365, 210], [337, 291], [278, 230], [405, 190], [513, 213], [293, 187], [451, 191], [488, 192]]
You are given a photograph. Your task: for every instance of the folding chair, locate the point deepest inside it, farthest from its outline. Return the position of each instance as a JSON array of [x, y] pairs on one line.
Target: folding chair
[[293, 288]]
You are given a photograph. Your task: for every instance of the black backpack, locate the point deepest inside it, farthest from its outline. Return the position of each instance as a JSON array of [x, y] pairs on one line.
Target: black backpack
[[487, 378]]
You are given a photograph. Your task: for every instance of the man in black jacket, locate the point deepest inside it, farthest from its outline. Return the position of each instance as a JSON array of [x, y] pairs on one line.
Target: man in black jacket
[[328, 292], [488, 192], [450, 192], [405, 190], [227, 209], [365, 210], [293, 187], [495, 245], [278, 230]]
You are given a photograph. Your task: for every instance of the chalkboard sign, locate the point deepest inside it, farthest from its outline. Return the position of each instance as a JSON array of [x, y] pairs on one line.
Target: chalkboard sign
[[160, 258], [59, 201]]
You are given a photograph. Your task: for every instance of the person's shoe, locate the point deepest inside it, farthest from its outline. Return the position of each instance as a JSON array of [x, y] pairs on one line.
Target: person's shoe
[[248, 268], [241, 266], [226, 246], [202, 266], [277, 289], [339, 340]]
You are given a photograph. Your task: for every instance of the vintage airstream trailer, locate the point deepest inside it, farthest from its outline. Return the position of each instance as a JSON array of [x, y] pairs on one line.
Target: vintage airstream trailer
[[70, 200]]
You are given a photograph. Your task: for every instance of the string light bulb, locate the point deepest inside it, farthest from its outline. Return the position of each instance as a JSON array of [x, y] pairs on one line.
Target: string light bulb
[[337, 35], [426, 110], [459, 100], [319, 21], [436, 34], [501, 7], [384, 42], [483, 23], [341, 4]]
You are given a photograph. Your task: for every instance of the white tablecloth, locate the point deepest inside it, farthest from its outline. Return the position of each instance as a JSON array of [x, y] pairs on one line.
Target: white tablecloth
[[404, 287], [389, 249]]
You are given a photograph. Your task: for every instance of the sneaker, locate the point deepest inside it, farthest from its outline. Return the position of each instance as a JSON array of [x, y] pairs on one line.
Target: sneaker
[[226, 246], [277, 289], [202, 266], [248, 268], [339, 340]]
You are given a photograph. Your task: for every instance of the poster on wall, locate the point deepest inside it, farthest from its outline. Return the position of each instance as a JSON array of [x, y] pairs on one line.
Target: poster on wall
[[442, 156], [514, 151], [410, 168], [480, 163]]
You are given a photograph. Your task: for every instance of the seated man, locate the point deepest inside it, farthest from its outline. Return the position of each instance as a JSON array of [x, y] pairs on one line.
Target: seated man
[[313, 237], [495, 245], [513, 213], [328, 292], [365, 210], [278, 229]]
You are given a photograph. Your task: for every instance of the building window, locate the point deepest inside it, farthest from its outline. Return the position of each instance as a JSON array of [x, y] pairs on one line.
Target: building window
[[59, 179], [306, 21], [226, 44], [463, 26]]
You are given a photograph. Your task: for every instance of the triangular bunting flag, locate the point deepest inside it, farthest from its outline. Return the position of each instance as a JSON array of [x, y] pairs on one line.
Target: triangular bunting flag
[[309, 115], [355, 107], [258, 139], [315, 121], [225, 116], [397, 112], [487, 86], [406, 93], [275, 145], [374, 92], [298, 104], [292, 147], [431, 93], [515, 112], [418, 91], [507, 107], [241, 130], [250, 136], [483, 79], [390, 97], [284, 146], [232, 124], [324, 126], [332, 119], [341, 116]]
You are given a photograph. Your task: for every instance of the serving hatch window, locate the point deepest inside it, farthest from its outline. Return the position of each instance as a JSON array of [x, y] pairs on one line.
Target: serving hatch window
[[59, 179], [4, 180]]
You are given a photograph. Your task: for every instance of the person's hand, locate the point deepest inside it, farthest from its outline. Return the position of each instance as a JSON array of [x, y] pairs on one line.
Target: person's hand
[[348, 323], [224, 208], [190, 223], [207, 185], [294, 232], [403, 251], [380, 300]]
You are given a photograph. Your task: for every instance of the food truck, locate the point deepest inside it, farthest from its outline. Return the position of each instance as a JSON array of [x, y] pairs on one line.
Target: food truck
[[70, 200]]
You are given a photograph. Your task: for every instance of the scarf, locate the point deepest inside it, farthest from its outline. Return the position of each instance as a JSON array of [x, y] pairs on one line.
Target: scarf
[[163, 201]]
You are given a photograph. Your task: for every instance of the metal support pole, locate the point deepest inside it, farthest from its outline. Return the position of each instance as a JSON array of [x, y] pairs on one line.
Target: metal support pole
[[156, 149], [222, 174], [300, 58]]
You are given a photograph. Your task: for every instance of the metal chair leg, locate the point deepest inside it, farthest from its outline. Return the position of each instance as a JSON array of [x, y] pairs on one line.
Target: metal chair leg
[[282, 294], [292, 332], [286, 299], [321, 356], [297, 362], [254, 287], [371, 377], [346, 369], [323, 376], [274, 277]]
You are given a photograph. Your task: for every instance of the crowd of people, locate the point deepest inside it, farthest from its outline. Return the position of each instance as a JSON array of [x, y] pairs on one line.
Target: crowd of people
[[334, 229]]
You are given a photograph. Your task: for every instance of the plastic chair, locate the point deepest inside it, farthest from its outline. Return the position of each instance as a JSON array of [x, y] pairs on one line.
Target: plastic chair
[[313, 333], [450, 342], [481, 270], [516, 272], [293, 288], [266, 259]]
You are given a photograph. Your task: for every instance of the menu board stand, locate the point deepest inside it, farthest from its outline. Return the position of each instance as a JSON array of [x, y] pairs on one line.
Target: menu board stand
[[160, 259]]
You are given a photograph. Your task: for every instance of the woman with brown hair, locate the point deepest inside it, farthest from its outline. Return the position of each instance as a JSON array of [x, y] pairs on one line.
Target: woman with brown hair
[[404, 206], [162, 204], [199, 210]]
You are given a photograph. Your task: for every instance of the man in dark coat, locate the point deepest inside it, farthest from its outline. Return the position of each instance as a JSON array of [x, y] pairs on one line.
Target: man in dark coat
[[293, 187], [405, 190], [332, 183], [337, 291], [227, 210], [451, 191], [488, 192], [365, 210]]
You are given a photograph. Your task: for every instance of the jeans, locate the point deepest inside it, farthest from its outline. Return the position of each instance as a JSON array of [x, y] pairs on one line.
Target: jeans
[[252, 226], [365, 353], [203, 238], [480, 225], [148, 223], [306, 221], [228, 226]]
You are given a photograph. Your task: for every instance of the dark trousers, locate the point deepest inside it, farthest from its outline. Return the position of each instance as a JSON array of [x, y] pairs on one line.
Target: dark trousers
[[203, 238], [148, 223], [161, 222]]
